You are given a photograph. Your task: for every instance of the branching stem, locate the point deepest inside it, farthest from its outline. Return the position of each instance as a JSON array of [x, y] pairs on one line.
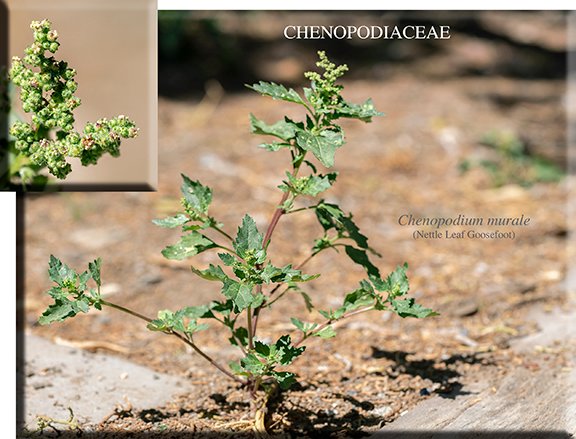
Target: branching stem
[[180, 336]]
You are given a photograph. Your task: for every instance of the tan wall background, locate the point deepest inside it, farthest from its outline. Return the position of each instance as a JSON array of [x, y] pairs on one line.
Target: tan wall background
[[112, 45]]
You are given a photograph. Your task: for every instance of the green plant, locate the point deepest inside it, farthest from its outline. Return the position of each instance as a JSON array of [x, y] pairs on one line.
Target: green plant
[[250, 281], [47, 89], [512, 162]]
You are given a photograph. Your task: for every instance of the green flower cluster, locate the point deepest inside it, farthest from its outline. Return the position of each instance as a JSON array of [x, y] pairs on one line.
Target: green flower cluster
[[47, 91], [326, 83]]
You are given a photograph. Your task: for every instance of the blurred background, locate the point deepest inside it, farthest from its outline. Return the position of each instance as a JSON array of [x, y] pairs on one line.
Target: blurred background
[[112, 46]]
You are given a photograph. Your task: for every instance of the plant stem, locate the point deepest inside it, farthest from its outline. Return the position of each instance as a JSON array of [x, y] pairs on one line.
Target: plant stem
[[126, 310], [180, 336], [250, 328], [274, 221], [223, 233], [206, 357], [330, 321], [279, 210], [302, 208]]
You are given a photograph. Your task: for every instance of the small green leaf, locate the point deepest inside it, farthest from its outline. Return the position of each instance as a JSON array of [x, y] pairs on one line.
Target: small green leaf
[[239, 293], [213, 272], [188, 245], [354, 232], [329, 215], [94, 268], [322, 145], [408, 308], [327, 332], [198, 197], [358, 299], [282, 129], [298, 323], [227, 259], [307, 301], [240, 336], [302, 326], [172, 221], [285, 379], [57, 312], [360, 257], [277, 91], [287, 352], [59, 272], [316, 184], [396, 283], [261, 348], [248, 239], [364, 112], [251, 363], [195, 312]]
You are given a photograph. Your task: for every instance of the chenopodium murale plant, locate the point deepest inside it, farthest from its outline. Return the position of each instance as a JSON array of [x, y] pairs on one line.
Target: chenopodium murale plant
[[47, 88], [250, 282]]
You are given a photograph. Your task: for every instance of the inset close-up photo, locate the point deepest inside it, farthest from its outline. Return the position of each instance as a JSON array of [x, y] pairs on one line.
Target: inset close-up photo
[[356, 233], [79, 98]]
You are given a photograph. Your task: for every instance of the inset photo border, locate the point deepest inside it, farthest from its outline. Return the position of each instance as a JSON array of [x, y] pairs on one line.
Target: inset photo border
[[112, 142]]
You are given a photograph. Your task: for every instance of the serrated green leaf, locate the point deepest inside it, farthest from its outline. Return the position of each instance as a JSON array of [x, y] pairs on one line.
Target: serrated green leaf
[[261, 348], [322, 145], [329, 215], [188, 245], [282, 129], [408, 308], [285, 379], [327, 332], [360, 257], [277, 91], [227, 259], [213, 272], [354, 232], [287, 352], [224, 308], [251, 363], [364, 112], [57, 312], [396, 283], [298, 323], [82, 279], [358, 298], [317, 184], [248, 240], [60, 272], [239, 293], [197, 196], [164, 321], [302, 326], [195, 312], [307, 301], [172, 221], [95, 268], [240, 336], [311, 185]]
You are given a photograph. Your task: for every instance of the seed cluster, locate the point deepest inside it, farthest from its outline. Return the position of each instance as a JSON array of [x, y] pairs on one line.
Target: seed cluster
[[47, 89], [325, 84]]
